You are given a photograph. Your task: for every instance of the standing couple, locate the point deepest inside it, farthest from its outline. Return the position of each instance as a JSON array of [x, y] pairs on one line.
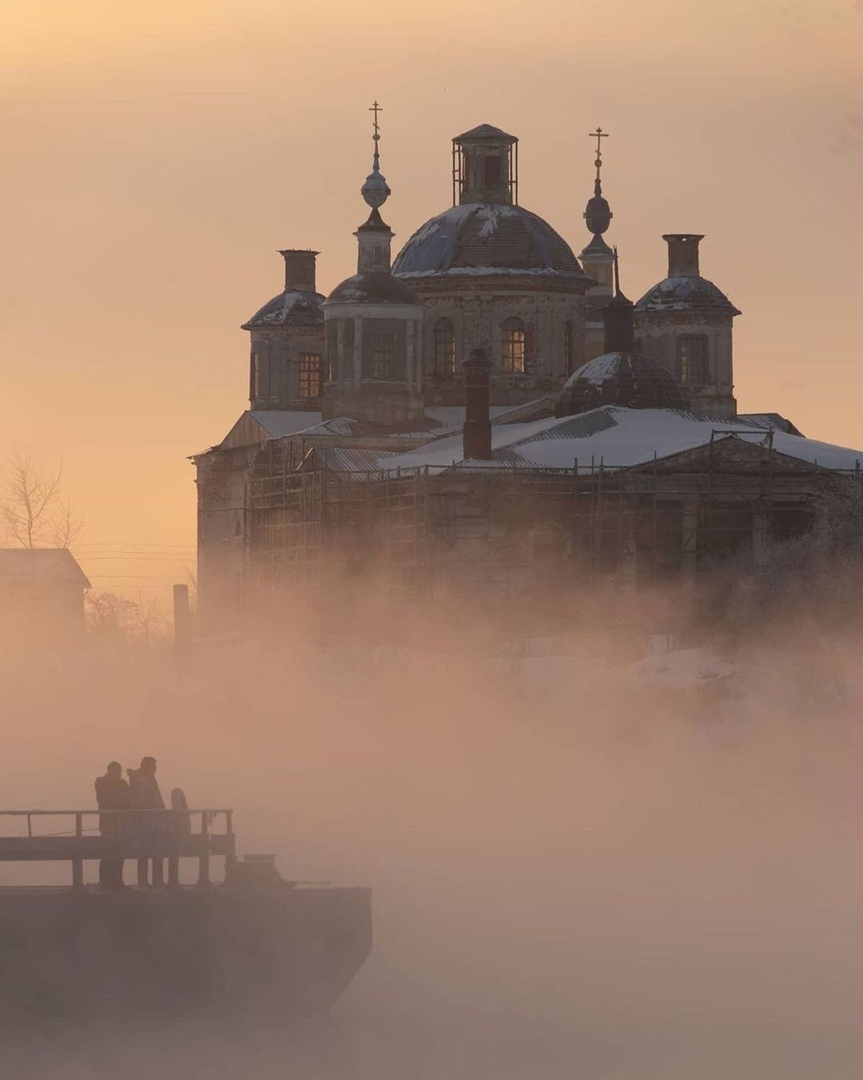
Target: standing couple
[[141, 792]]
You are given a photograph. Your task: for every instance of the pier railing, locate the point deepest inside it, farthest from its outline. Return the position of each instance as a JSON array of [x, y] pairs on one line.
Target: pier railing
[[122, 834]]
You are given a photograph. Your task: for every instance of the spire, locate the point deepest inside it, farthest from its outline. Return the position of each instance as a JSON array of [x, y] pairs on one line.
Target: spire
[[375, 191], [374, 237], [600, 135], [619, 318], [598, 214]]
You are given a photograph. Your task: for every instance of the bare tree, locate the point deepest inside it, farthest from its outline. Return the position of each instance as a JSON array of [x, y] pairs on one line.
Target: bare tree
[[111, 617], [34, 506]]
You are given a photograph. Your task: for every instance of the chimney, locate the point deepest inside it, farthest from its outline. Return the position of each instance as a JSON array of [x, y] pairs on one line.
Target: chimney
[[477, 421], [300, 270], [619, 319], [682, 254]]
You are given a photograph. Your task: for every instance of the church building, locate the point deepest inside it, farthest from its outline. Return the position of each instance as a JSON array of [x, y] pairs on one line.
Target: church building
[[430, 398]]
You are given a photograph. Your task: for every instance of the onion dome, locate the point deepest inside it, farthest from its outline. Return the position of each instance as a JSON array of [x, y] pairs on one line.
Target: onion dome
[[486, 237], [597, 213], [375, 191]]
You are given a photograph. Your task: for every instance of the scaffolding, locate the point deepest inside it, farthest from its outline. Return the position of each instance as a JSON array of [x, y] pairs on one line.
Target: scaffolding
[[507, 525]]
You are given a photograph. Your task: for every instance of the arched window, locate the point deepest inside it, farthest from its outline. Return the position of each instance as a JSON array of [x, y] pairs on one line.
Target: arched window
[[568, 347], [444, 349], [692, 365], [513, 353]]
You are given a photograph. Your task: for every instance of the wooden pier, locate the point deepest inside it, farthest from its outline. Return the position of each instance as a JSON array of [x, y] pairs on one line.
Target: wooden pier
[[137, 834]]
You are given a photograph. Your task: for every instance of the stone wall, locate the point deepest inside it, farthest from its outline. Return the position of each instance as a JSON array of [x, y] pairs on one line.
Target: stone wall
[[657, 335], [274, 365], [477, 306]]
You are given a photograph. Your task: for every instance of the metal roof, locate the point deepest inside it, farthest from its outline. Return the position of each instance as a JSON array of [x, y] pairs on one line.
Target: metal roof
[[686, 291], [485, 131], [622, 438], [620, 378], [290, 307], [374, 287], [486, 235]]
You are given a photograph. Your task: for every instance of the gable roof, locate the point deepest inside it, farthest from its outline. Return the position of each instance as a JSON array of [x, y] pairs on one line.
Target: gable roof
[[55, 566]]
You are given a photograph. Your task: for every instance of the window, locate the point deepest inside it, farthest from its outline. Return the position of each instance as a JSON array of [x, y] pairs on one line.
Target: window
[[310, 375], [513, 354], [692, 367], [255, 380], [383, 356], [444, 349], [493, 171], [568, 347]]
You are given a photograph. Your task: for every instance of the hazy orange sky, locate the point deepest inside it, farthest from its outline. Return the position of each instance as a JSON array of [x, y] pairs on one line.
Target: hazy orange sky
[[156, 159]]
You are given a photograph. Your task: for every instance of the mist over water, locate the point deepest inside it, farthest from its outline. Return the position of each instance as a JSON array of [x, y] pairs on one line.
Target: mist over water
[[575, 875]]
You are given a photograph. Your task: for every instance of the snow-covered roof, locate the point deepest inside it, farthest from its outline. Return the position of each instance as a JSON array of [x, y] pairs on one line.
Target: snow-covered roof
[[620, 438], [685, 292], [482, 238], [290, 307], [451, 417], [373, 287]]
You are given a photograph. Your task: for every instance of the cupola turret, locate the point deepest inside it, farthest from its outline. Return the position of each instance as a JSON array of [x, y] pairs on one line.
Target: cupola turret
[[687, 322], [373, 327], [597, 258]]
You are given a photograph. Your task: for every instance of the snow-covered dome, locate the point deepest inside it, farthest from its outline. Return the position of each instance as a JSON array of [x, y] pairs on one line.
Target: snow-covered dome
[[373, 287], [685, 292], [620, 378], [293, 307], [489, 236]]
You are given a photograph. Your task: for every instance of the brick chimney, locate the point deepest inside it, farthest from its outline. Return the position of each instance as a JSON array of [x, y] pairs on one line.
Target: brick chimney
[[300, 270], [682, 254], [477, 419]]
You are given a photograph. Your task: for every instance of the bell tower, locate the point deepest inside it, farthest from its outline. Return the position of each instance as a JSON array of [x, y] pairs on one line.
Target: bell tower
[[485, 167]]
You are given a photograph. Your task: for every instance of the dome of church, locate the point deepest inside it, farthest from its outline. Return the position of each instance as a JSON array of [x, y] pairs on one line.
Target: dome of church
[[293, 307], [487, 236], [620, 378], [374, 287], [682, 292]]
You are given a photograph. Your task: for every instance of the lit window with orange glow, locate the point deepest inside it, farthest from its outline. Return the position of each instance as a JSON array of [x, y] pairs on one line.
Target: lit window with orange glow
[[514, 352], [310, 375]]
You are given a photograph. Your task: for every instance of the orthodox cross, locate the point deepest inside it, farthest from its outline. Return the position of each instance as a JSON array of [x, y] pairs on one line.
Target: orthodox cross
[[599, 135], [375, 108]]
